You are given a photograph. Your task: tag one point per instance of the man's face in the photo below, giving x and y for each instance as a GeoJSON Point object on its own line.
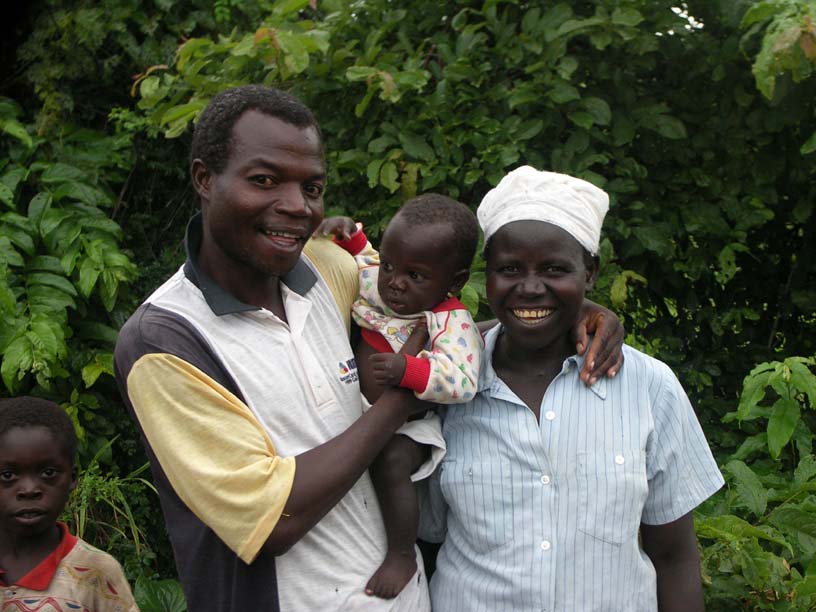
{"type": "Point", "coordinates": [536, 279]}
{"type": "Point", "coordinates": [36, 477]}
{"type": "Point", "coordinates": [262, 208]}
{"type": "Point", "coordinates": [416, 268]}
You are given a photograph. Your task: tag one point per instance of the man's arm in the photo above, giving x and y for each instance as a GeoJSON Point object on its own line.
{"type": "Point", "coordinates": [215, 454]}
{"type": "Point", "coordinates": [673, 550]}
{"type": "Point", "coordinates": [605, 356]}
{"type": "Point", "coordinates": [325, 473]}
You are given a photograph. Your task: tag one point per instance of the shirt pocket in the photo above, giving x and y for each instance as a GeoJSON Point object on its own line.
{"type": "Point", "coordinates": [480, 495]}
{"type": "Point", "coordinates": [612, 489]}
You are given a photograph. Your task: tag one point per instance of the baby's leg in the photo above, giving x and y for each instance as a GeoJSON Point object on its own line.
{"type": "Point", "coordinates": [391, 473]}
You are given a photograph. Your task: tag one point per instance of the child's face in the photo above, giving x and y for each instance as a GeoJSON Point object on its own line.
{"type": "Point", "coordinates": [536, 279]}
{"type": "Point", "coordinates": [36, 477]}
{"type": "Point", "coordinates": [417, 267]}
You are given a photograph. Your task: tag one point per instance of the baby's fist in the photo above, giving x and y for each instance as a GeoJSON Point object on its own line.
{"type": "Point", "coordinates": [341, 228]}
{"type": "Point", "coordinates": [387, 369]}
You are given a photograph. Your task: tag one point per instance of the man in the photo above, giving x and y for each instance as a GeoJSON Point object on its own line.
{"type": "Point", "coordinates": [239, 373]}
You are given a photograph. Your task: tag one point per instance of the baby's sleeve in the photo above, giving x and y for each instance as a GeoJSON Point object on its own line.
{"type": "Point", "coordinates": [359, 247]}
{"type": "Point", "coordinates": [451, 367]}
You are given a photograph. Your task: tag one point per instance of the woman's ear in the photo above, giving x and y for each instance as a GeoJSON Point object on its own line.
{"type": "Point", "coordinates": [592, 264]}
{"type": "Point", "coordinates": [459, 280]}
{"type": "Point", "coordinates": [201, 177]}
{"type": "Point", "coordinates": [74, 477]}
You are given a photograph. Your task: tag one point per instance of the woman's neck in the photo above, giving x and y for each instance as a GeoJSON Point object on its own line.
{"type": "Point", "coordinates": [529, 372]}
{"type": "Point", "coordinates": [530, 360]}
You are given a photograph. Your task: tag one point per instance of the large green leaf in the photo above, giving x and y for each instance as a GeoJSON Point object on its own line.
{"type": "Point", "coordinates": [748, 486]}
{"type": "Point", "coordinates": [7, 196]}
{"type": "Point", "coordinates": [48, 300]}
{"type": "Point", "coordinates": [793, 519]}
{"type": "Point", "coordinates": [37, 207]}
{"type": "Point", "coordinates": [416, 146]}
{"type": "Point", "coordinates": [17, 360]}
{"type": "Point", "coordinates": [753, 389]}
{"type": "Point", "coordinates": [784, 417]}
{"type": "Point", "coordinates": [51, 280]}
{"type": "Point", "coordinates": [803, 379]}
{"type": "Point", "coordinates": [730, 528]}
{"type": "Point", "coordinates": [60, 173]}
{"type": "Point", "coordinates": [159, 596]}
{"type": "Point", "coordinates": [102, 363]}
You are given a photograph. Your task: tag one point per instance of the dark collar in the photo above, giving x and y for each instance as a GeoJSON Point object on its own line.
{"type": "Point", "coordinates": [299, 279]}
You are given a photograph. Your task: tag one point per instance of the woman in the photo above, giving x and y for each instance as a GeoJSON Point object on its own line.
{"type": "Point", "coordinates": [547, 482]}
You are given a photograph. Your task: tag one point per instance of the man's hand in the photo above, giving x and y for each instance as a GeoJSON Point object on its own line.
{"type": "Point", "coordinates": [387, 369]}
{"type": "Point", "coordinates": [605, 357]}
{"type": "Point", "coordinates": [341, 228]}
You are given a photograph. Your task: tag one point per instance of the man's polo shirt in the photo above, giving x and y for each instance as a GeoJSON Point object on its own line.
{"type": "Point", "coordinates": [226, 395]}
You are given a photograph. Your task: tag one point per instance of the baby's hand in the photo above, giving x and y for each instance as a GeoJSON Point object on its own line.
{"type": "Point", "coordinates": [387, 369]}
{"type": "Point", "coordinates": [341, 228]}
{"type": "Point", "coordinates": [417, 340]}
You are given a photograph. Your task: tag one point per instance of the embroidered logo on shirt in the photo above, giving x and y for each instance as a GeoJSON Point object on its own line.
{"type": "Point", "coordinates": [348, 371]}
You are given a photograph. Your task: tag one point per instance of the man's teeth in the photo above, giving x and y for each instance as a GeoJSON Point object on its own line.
{"type": "Point", "coordinates": [532, 315]}
{"type": "Point", "coordinates": [281, 234]}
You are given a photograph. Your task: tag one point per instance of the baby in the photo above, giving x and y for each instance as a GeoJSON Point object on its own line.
{"type": "Point", "coordinates": [414, 334]}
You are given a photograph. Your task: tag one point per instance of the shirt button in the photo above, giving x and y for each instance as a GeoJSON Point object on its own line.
{"type": "Point", "coordinates": [549, 415]}
{"type": "Point", "coordinates": [545, 545]}
{"type": "Point", "coordinates": [619, 459]}
{"type": "Point", "coordinates": [545, 480]}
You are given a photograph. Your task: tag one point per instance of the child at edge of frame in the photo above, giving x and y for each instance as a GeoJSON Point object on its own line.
{"type": "Point", "coordinates": [42, 565]}
{"type": "Point", "coordinates": [417, 335]}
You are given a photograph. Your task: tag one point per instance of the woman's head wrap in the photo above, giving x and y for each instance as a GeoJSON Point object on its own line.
{"type": "Point", "coordinates": [527, 194]}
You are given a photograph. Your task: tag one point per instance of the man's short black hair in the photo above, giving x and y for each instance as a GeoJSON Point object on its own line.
{"type": "Point", "coordinates": [434, 209]}
{"type": "Point", "coordinates": [36, 412]}
{"type": "Point", "coordinates": [212, 138]}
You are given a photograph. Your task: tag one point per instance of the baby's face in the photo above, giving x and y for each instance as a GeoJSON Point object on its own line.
{"type": "Point", "coordinates": [36, 477]}
{"type": "Point", "coordinates": [417, 266]}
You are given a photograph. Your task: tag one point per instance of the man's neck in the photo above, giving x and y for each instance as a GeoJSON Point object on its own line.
{"type": "Point", "coordinates": [244, 284]}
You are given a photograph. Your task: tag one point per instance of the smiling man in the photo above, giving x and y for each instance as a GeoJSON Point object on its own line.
{"type": "Point", "coordinates": [239, 373]}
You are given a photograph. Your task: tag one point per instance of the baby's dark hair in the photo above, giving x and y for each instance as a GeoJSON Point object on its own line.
{"type": "Point", "coordinates": [212, 138]}
{"type": "Point", "coordinates": [433, 209]}
{"type": "Point", "coordinates": [36, 412]}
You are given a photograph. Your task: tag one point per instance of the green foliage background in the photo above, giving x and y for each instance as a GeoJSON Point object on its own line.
{"type": "Point", "coordinates": [697, 118]}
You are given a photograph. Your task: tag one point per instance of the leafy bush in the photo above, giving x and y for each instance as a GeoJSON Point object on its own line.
{"type": "Point", "coordinates": [759, 534]}
{"type": "Point", "coordinates": [62, 271]}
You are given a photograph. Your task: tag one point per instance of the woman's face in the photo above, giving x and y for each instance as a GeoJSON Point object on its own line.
{"type": "Point", "coordinates": [537, 275]}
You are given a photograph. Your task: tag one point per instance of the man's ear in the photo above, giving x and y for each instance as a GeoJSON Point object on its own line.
{"type": "Point", "coordinates": [201, 177]}
{"type": "Point", "coordinates": [459, 280]}
{"type": "Point", "coordinates": [592, 267]}
{"type": "Point", "coordinates": [74, 476]}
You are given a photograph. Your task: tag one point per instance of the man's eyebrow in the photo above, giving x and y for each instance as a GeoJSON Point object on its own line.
{"type": "Point", "coordinates": [266, 163]}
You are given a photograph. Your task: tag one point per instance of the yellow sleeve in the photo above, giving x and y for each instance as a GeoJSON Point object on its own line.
{"type": "Point", "coordinates": [338, 269]}
{"type": "Point", "coordinates": [215, 453]}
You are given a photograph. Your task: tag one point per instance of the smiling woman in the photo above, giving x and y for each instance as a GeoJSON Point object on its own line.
{"type": "Point", "coordinates": [580, 468]}
{"type": "Point", "coordinates": [537, 275]}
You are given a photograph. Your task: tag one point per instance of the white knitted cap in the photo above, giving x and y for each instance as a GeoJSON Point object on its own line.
{"type": "Point", "coordinates": [527, 194]}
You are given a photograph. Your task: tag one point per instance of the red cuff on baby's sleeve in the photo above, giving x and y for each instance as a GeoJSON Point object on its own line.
{"type": "Point", "coordinates": [355, 243]}
{"type": "Point", "coordinates": [417, 373]}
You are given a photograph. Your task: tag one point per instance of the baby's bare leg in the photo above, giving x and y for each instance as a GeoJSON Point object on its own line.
{"type": "Point", "coordinates": [391, 473]}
